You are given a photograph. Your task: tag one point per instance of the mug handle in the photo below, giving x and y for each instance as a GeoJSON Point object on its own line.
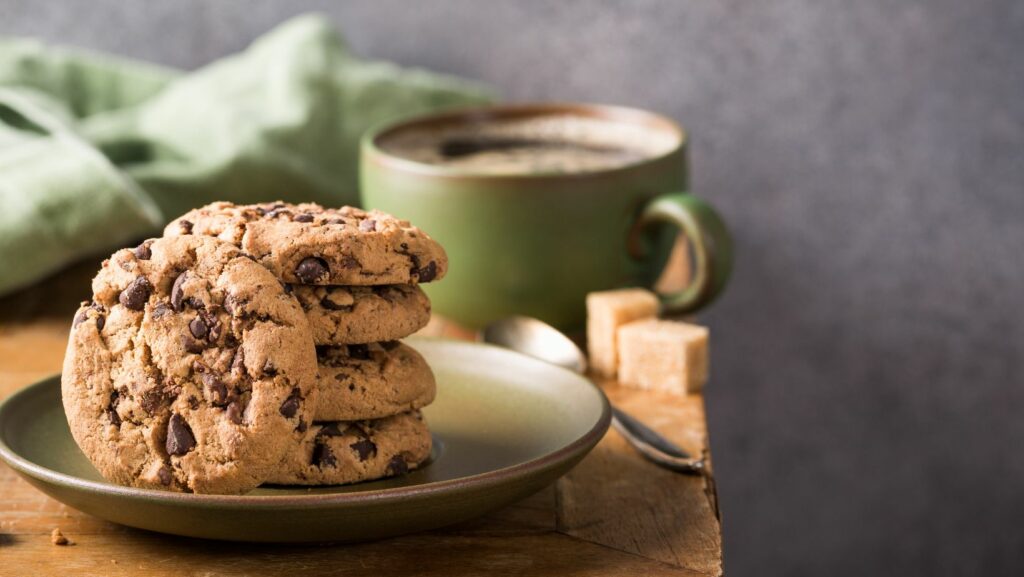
{"type": "Point", "coordinates": [709, 239]}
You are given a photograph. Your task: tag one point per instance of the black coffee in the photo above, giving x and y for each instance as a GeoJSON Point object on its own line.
{"type": "Point", "coordinates": [545, 144]}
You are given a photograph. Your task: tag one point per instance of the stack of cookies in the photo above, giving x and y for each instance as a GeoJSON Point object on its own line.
{"type": "Point", "coordinates": [355, 274]}
{"type": "Point", "coordinates": [256, 344]}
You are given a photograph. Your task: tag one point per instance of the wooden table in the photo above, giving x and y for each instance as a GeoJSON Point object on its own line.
{"type": "Point", "coordinates": [614, 514]}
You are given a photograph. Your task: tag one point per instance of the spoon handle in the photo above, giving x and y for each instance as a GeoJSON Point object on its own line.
{"type": "Point", "coordinates": [653, 446]}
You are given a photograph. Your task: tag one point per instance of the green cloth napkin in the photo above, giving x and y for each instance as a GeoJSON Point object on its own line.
{"type": "Point", "coordinates": [97, 151]}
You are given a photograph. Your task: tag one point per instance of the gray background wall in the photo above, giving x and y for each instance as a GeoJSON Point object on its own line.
{"type": "Point", "coordinates": [866, 404]}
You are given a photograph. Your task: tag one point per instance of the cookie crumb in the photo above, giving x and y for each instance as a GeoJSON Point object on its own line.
{"type": "Point", "coordinates": [58, 538]}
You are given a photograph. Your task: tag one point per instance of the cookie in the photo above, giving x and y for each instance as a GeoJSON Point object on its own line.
{"type": "Point", "coordinates": [191, 370]}
{"type": "Point", "coordinates": [371, 381]}
{"type": "Point", "coordinates": [310, 244]}
{"type": "Point", "coordinates": [357, 315]}
{"type": "Point", "coordinates": [343, 452]}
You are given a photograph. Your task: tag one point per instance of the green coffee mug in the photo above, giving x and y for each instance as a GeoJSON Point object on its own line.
{"type": "Point", "coordinates": [535, 243]}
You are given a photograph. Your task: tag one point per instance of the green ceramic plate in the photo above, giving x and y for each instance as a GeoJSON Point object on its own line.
{"type": "Point", "coordinates": [504, 425]}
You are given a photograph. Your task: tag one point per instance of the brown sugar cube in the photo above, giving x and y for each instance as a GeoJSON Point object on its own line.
{"type": "Point", "coordinates": [663, 355]}
{"type": "Point", "coordinates": [606, 312]}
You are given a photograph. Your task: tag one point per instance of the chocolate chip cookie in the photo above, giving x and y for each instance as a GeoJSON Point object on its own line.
{"type": "Point", "coordinates": [192, 369]}
{"type": "Point", "coordinates": [310, 244]}
{"type": "Point", "coordinates": [358, 315]}
{"type": "Point", "coordinates": [348, 452]}
{"type": "Point", "coordinates": [371, 381]}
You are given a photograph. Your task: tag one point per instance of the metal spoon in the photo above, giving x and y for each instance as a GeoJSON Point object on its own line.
{"type": "Point", "coordinates": [542, 341]}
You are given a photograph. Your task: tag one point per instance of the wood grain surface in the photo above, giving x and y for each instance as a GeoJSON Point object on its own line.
{"type": "Point", "coordinates": [615, 514]}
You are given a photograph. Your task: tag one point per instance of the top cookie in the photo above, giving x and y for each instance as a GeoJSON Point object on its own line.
{"type": "Point", "coordinates": [191, 370]}
{"type": "Point", "coordinates": [310, 244]}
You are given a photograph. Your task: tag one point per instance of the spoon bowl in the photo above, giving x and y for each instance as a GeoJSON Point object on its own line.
{"type": "Point", "coordinates": [542, 341]}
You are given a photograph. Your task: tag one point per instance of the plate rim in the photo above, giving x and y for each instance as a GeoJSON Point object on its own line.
{"type": "Point", "coordinates": [486, 479]}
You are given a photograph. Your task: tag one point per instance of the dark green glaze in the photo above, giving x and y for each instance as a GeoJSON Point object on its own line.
{"type": "Point", "coordinates": [536, 244]}
{"type": "Point", "coordinates": [505, 426]}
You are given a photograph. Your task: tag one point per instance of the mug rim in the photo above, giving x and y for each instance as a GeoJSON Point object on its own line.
{"type": "Point", "coordinates": [372, 152]}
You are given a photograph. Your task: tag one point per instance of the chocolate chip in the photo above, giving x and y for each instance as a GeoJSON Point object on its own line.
{"type": "Point", "coordinates": [235, 412]}
{"type": "Point", "coordinates": [304, 217]}
{"type": "Point", "coordinates": [238, 362]}
{"type": "Point", "coordinates": [330, 305]}
{"type": "Point", "coordinates": [278, 212]}
{"type": "Point", "coordinates": [198, 328]}
{"type": "Point", "coordinates": [143, 252]}
{"type": "Point", "coordinates": [216, 389]}
{"type": "Point", "coordinates": [356, 431]}
{"type": "Point", "coordinates": [178, 292]}
{"type": "Point", "coordinates": [193, 403]}
{"type": "Point", "coordinates": [191, 345]}
{"type": "Point", "coordinates": [335, 221]}
{"type": "Point", "coordinates": [365, 448]}
{"type": "Point", "coordinates": [180, 439]}
{"type": "Point", "coordinates": [290, 406]}
{"type": "Point", "coordinates": [160, 310]}
{"type": "Point", "coordinates": [216, 329]}
{"type": "Point", "coordinates": [368, 225]}
{"type": "Point", "coordinates": [427, 273]}
{"type": "Point", "coordinates": [269, 370]}
{"type": "Point", "coordinates": [387, 293]}
{"type": "Point", "coordinates": [329, 430]}
{"type": "Point", "coordinates": [312, 270]}
{"type": "Point", "coordinates": [152, 400]}
{"type": "Point", "coordinates": [286, 287]}
{"type": "Point", "coordinates": [323, 456]}
{"type": "Point", "coordinates": [349, 261]}
{"type": "Point", "coordinates": [115, 419]}
{"type": "Point", "coordinates": [233, 304]}
{"type": "Point", "coordinates": [135, 296]}
{"type": "Point", "coordinates": [302, 426]}
{"type": "Point", "coordinates": [165, 475]}
{"type": "Point", "coordinates": [185, 226]}
{"type": "Point", "coordinates": [83, 314]}
{"type": "Point", "coordinates": [397, 466]}
{"type": "Point", "coordinates": [359, 352]}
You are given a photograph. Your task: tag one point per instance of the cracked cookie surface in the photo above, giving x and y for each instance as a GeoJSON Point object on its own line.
{"type": "Point", "coordinates": [343, 452]}
{"type": "Point", "coordinates": [371, 381]}
{"type": "Point", "coordinates": [346, 315]}
{"type": "Point", "coordinates": [312, 245]}
{"type": "Point", "coordinates": [191, 370]}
